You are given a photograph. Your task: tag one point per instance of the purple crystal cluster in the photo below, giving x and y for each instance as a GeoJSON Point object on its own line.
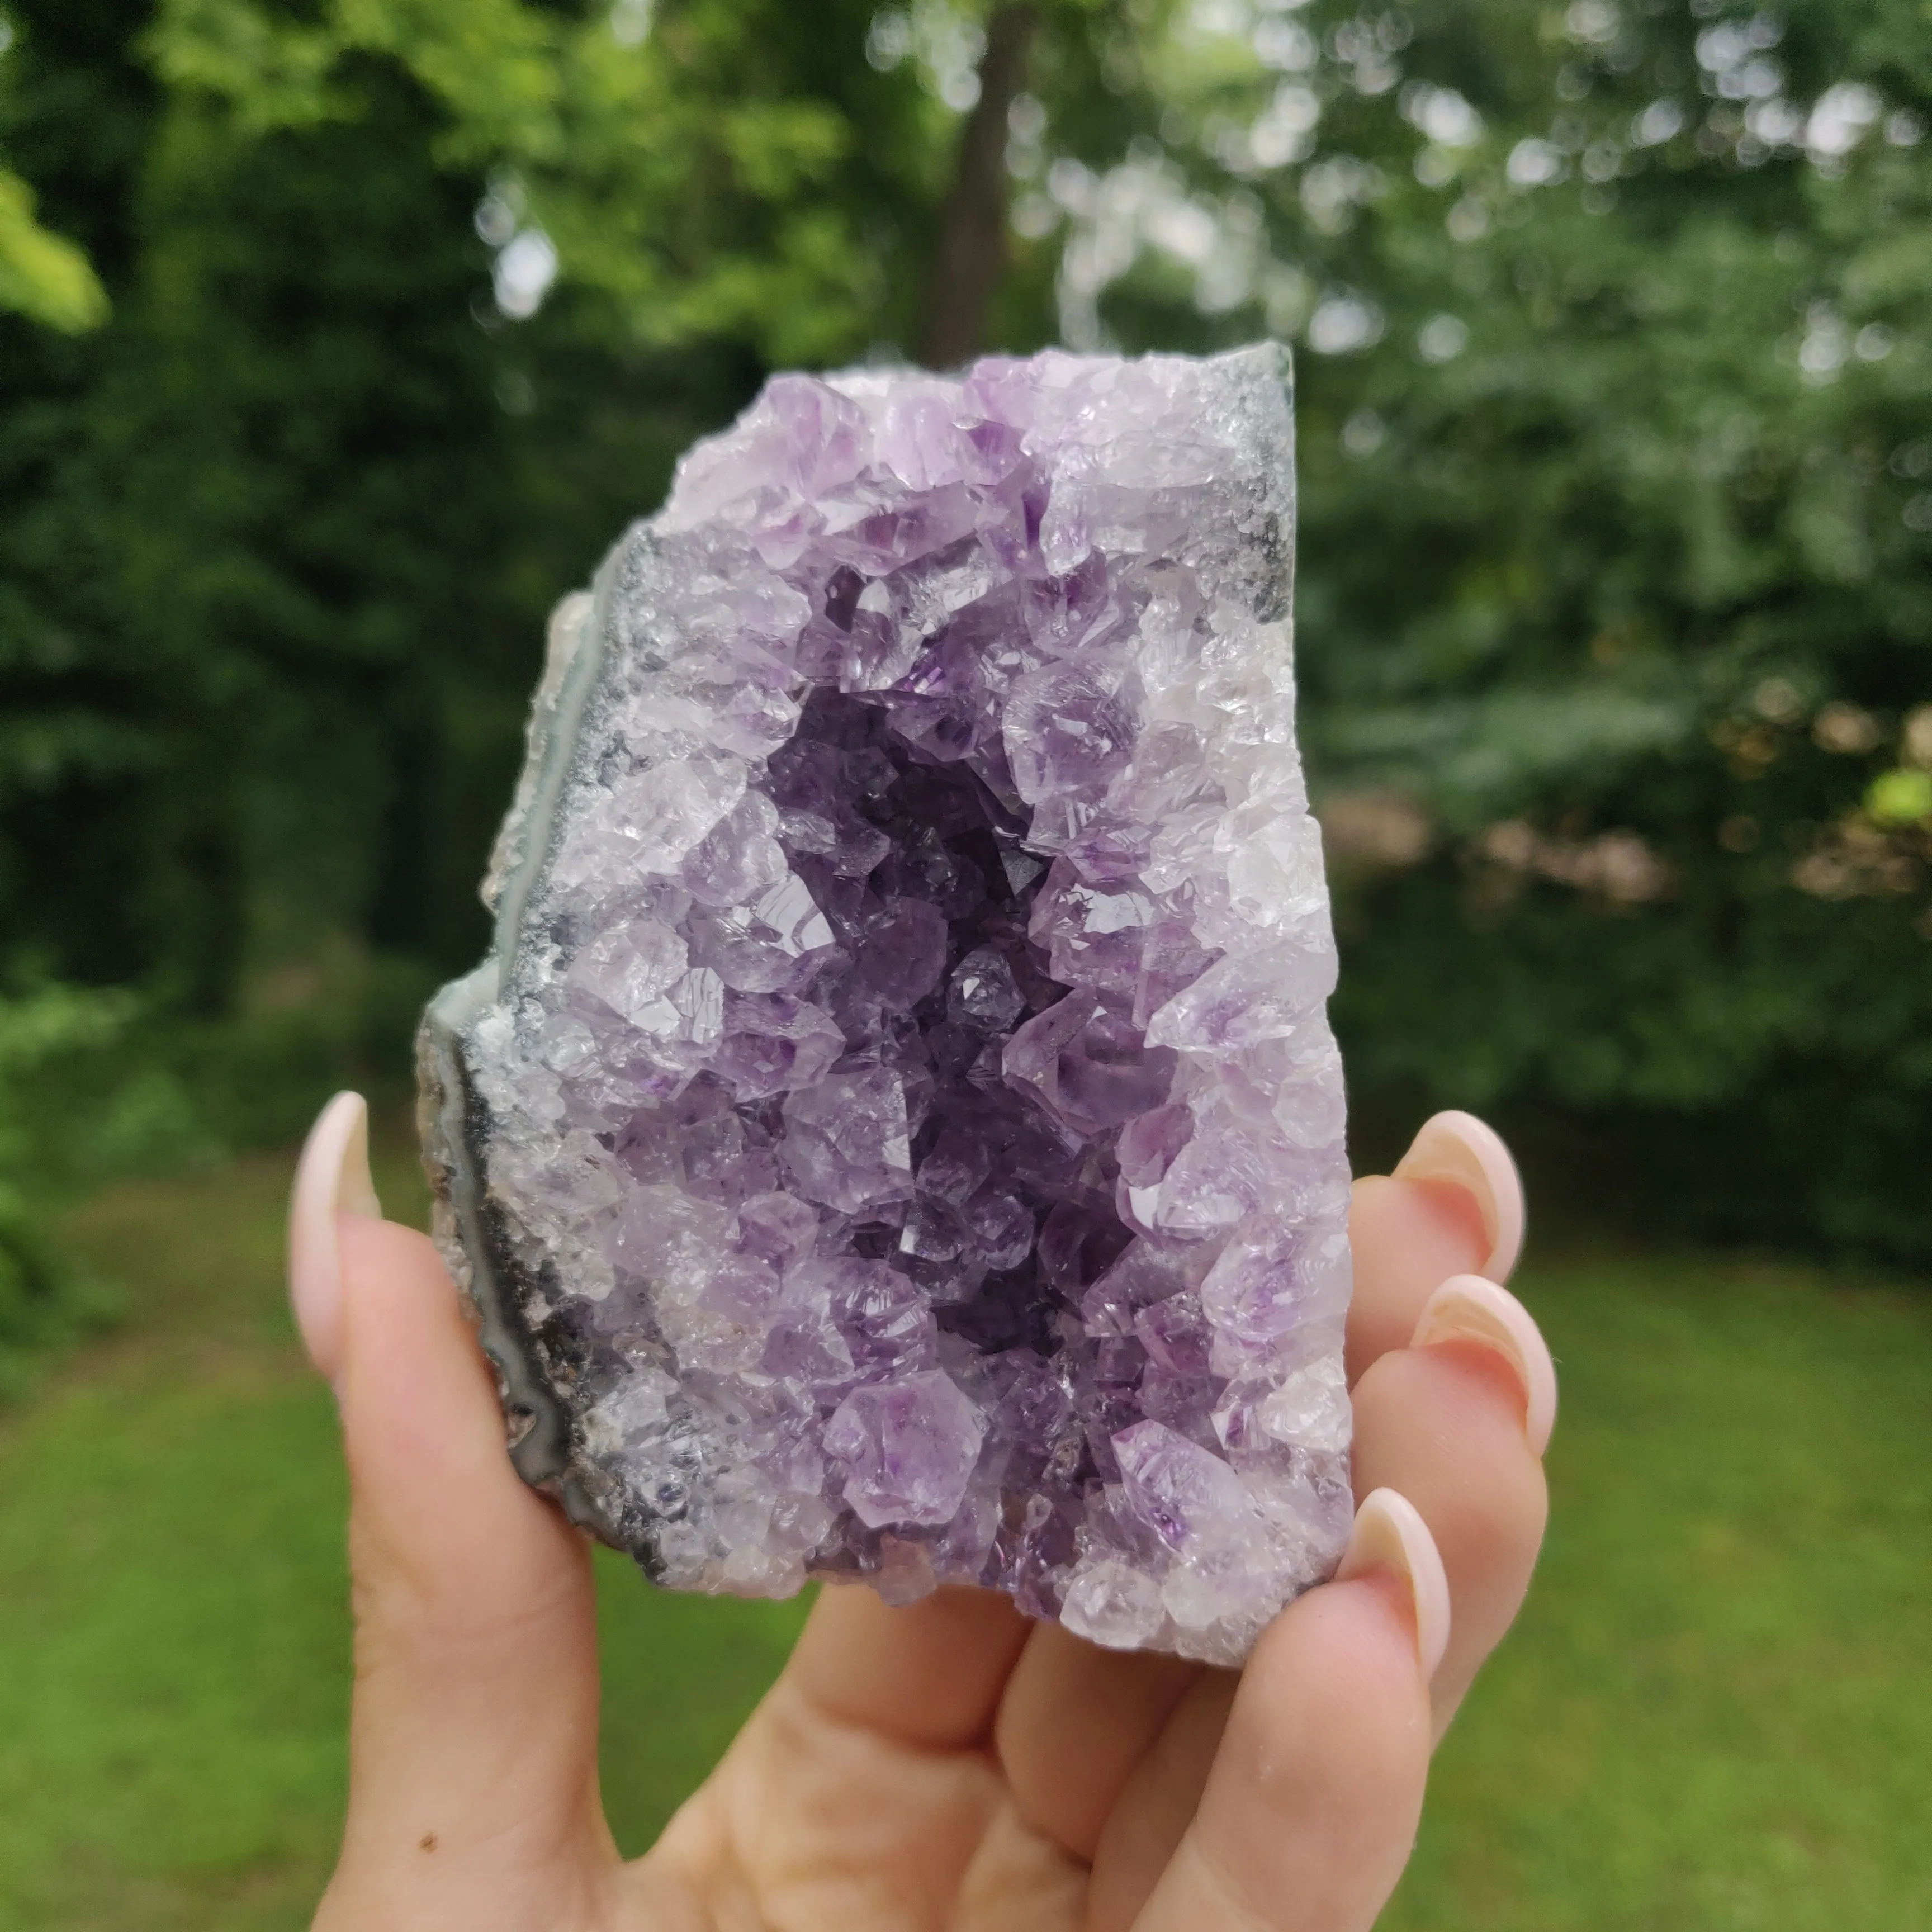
{"type": "Point", "coordinates": [897, 1134]}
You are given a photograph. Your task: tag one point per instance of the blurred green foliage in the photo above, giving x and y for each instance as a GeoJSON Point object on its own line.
{"type": "Point", "coordinates": [41, 274]}
{"type": "Point", "coordinates": [57, 1070]}
{"type": "Point", "coordinates": [1617, 488]}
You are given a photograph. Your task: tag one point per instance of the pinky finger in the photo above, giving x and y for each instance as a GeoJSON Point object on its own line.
{"type": "Point", "coordinates": [1310, 1809]}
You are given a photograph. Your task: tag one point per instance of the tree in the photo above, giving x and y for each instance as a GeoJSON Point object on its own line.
{"type": "Point", "coordinates": [1616, 445]}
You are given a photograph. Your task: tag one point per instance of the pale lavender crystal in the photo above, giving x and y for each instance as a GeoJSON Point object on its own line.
{"type": "Point", "coordinates": [897, 1135]}
{"type": "Point", "coordinates": [909, 1446]}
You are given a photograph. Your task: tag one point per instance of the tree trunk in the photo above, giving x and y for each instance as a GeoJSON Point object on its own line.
{"type": "Point", "coordinates": [972, 251]}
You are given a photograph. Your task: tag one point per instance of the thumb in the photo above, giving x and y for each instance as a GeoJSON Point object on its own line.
{"type": "Point", "coordinates": [473, 1795]}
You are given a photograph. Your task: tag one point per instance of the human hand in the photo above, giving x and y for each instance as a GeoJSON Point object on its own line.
{"type": "Point", "coordinates": [947, 1764]}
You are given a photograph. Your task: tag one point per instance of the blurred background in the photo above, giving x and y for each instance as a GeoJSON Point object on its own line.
{"type": "Point", "coordinates": [338, 338]}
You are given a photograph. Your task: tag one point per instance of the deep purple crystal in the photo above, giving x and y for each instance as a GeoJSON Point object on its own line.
{"type": "Point", "coordinates": [897, 1135]}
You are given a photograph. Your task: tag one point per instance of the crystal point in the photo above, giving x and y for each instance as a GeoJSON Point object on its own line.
{"type": "Point", "coordinates": [896, 1134]}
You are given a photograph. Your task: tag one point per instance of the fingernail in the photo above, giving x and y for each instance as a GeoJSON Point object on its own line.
{"type": "Point", "coordinates": [331, 1178]}
{"type": "Point", "coordinates": [1460, 1149]}
{"type": "Point", "coordinates": [1389, 1534]}
{"type": "Point", "coordinates": [1467, 1308]}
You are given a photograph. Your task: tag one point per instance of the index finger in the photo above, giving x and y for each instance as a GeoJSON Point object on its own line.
{"type": "Point", "coordinates": [1453, 1206]}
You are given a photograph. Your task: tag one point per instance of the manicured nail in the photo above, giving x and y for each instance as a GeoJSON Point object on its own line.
{"type": "Point", "coordinates": [1467, 1308]}
{"type": "Point", "coordinates": [1460, 1149]}
{"type": "Point", "coordinates": [331, 1178]}
{"type": "Point", "coordinates": [1389, 1534]}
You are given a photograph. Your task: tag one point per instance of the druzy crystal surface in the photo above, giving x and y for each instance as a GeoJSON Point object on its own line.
{"type": "Point", "coordinates": [897, 1134]}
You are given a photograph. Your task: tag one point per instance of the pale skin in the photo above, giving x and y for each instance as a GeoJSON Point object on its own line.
{"type": "Point", "coordinates": [946, 1764]}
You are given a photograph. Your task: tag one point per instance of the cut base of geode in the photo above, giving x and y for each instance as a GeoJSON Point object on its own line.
{"type": "Point", "coordinates": [897, 1135]}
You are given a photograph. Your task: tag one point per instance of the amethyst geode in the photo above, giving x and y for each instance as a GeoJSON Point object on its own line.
{"type": "Point", "coordinates": [897, 1134]}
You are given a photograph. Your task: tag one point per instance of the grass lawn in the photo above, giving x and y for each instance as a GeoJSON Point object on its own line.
{"type": "Point", "coordinates": [1716, 1711]}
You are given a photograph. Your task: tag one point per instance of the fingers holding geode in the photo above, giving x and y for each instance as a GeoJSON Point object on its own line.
{"type": "Point", "coordinates": [1453, 1206]}
{"type": "Point", "coordinates": [1456, 1149]}
{"type": "Point", "coordinates": [929, 1673]}
{"type": "Point", "coordinates": [1075, 1726]}
{"type": "Point", "coordinates": [1150, 1818]}
{"type": "Point", "coordinates": [1450, 1425]}
{"type": "Point", "coordinates": [1309, 1808]}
